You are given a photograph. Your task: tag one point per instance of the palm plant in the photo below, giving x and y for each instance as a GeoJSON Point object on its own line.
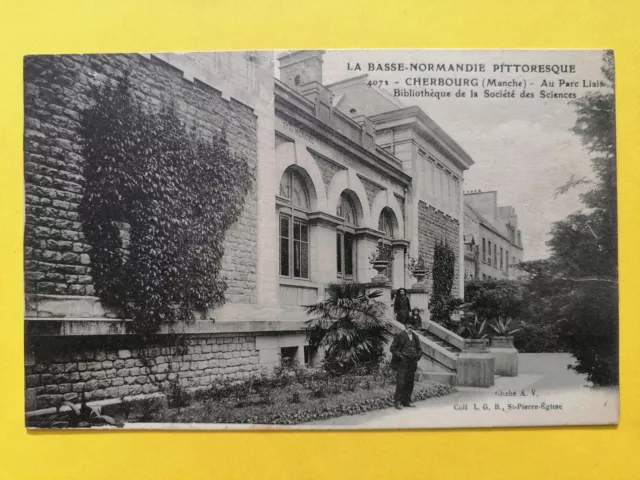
{"type": "Point", "coordinates": [350, 325]}
{"type": "Point", "coordinates": [503, 328]}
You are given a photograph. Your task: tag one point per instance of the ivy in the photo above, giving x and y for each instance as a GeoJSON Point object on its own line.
{"type": "Point", "coordinates": [442, 305]}
{"type": "Point", "coordinates": [444, 260]}
{"type": "Point", "coordinates": [176, 192]}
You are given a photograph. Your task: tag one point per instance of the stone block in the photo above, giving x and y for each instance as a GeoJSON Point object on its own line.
{"type": "Point", "coordinates": [65, 388]}
{"type": "Point", "coordinates": [124, 354]}
{"type": "Point", "coordinates": [51, 389]}
{"type": "Point", "coordinates": [506, 361]}
{"type": "Point", "coordinates": [475, 369]}
{"type": "Point", "coordinates": [33, 381]}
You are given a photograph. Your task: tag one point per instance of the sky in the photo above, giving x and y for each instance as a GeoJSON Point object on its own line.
{"type": "Point", "coordinates": [521, 147]}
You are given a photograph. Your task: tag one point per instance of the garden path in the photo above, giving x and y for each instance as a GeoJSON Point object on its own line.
{"type": "Point", "coordinates": [541, 376]}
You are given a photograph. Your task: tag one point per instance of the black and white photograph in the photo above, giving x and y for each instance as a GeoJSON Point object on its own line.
{"type": "Point", "coordinates": [320, 240]}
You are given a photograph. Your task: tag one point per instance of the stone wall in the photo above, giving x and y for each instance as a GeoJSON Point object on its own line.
{"type": "Point", "coordinates": [434, 225]}
{"type": "Point", "coordinates": [56, 88]}
{"type": "Point", "coordinates": [116, 366]}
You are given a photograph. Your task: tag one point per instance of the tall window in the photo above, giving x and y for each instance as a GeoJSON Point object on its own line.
{"type": "Point", "coordinates": [506, 261]}
{"type": "Point", "coordinates": [489, 256]}
{"type": "Point", "coordinates": [294, 230]}
{"type": "Point", "coordinates": [345, 238]}
{"type": "Point", "coordinates": [484, 250]}
{"type": "Point", "coordinates": [495, 255]}
{"type": "Point", "coordinates": [501, 260]}
{"type": "Point", "coordinates": [385, 224]}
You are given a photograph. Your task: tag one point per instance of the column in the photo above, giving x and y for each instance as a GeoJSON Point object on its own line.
{"type": "Point", "coordinates": [322, 250]}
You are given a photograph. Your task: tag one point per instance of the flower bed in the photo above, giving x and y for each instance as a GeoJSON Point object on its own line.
{"type": "Point", "coordinates": [291, 397]}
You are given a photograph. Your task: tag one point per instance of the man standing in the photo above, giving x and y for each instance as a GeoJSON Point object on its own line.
{"type": "Point", "coordinates": [406, 352]}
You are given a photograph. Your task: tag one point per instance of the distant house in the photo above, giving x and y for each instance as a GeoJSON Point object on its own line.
{"type": "Point", "coordinates": [492, 237]}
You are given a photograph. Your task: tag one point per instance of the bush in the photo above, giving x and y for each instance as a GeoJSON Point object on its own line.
{"type": "Point", "coordinates": [177, 395]}
{"type": "Point", "coordinates": [441, 310]}
{"type": "Point", "coordinates": [350, 325]}
{"type": "Point", "coordinates": [590, 331]}
{"type": "Point", "coordinates": [537, 338]}
{"type": "Point", "coordinates": [492, 299]}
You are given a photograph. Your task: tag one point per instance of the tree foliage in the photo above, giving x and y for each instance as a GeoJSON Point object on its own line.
{"type": "Point", "coordinates": [444, 260]}
{"type": "Point", "coordinates": [574, 293]}
{"type": "Point", "coordinates": [176, 193]}
{"type": "Point", "coordinates": [492, 299]}
{"type": "Point", "coordinates": [350, 325]}
{"type": "Point", "coordinates": [585, 243]}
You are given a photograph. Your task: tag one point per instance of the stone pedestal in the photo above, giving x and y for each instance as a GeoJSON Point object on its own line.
{"type": "Point", "coordinates": [381, 268]}
{"type": "Point", "coordinates": [475, 365]}
{"type": "Point", "coordinates": [506, 356]}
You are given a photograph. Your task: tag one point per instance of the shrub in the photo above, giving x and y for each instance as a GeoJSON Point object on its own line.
{"type": "Point", "coordinates": [493, 299]}
{"type": "Point", "coordinates": [590, 331]}
{"type": "Point", "coordinates": [350, 325]}
{"type": "Point", "coordinates": [537, 338]}
{"type": "Point", "coordinates": [503, 327]}
{"type": "Point", "coordinates": [177, 395]}
{"type": "Point", "coordinates": [441, 310]}
{"type": "Point", "coordinates": [473, 328]}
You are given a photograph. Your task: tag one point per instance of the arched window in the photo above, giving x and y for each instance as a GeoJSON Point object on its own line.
{"type": "Point", "coordinates": [292, 188]}
{"type": "Point", "coordinates": [385, 223]}
{"type": "Point", "coordinates": [347, 210]}
{"type": "Point", "coordinates": [345, 238]}
{"type": "Point", "coordinates": [294, 230]}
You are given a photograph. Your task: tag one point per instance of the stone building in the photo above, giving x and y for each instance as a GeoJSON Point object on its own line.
{"type": "Point", "coordinates": [435, 162]}
{"type": "Point", "coordinates": [340, 168]}
{"type": "Point", "coordinates": [73, 343]}
{"type": "Point", "coordinates": [493, 242]}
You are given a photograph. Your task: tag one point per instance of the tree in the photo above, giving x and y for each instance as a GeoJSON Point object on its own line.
{"type": "Point", "coordinates": [350, 325]}
{"type": "Point", "coordinates": [582, 272]}
{"type": "Point", "coordinates": [593, 232]}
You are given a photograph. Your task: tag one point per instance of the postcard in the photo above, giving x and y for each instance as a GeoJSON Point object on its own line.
{"type": "Point", "coordinates": [320, 239]}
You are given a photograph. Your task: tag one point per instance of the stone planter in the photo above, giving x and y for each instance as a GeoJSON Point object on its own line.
{"type": "Point", "coordinates": [419, 275]}
{"type": "Point", "coordinates": [475, 365]}
{"type": "Point", "coordinates": [506, 356]}
{"type": "Point", "coordinates": [380, 266]}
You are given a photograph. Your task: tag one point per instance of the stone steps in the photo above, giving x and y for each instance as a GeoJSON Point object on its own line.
{"type": "Point", "coordinates": [438, 341]}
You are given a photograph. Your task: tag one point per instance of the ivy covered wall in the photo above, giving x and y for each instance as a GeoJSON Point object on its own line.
{"type": "Point", "coordinates": [57, 92]}
{"type": "Point", "coordinates": [434, 226]}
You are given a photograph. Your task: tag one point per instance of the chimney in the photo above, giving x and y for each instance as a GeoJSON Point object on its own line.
{"type": "Point", "coordinates": [300, 67]}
